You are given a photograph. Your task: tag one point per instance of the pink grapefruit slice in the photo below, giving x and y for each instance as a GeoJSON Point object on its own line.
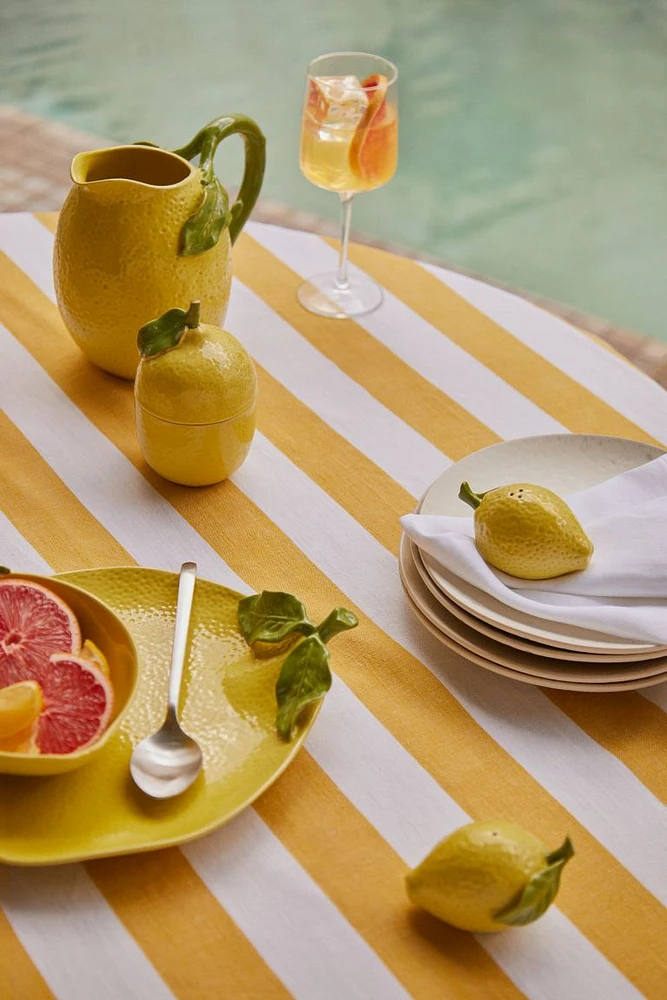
{"type": "Point", "coordinates": [77, 705]}
{"type": "Point", "coordinates": [34, 624]}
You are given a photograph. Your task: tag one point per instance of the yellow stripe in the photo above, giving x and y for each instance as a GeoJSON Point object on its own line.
{"type": "Point", "coordinates": [171, 913]}
{"type": "Point", "coordinates": [19, 979]}
{"type": "Point", "coordinates": [532, 375]}
{"type": "Point", "coordinates": [372, 365]}
{"type": "Point", "coordinates": [364, 878]}
{"type": "Point", "coordinates": [193, 943]}
{"type": "Point", "coordinates": [78, 540]}
{"type": "Point", "coordinates": [357, 484]}
{"type": "Point", "coordinates": [629, 726]}
{"type": "Point", "coordinates": [391, 678]}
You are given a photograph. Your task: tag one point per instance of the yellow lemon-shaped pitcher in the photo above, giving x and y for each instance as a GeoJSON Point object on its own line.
{"type": "Point", "coordinates": [143, 228]}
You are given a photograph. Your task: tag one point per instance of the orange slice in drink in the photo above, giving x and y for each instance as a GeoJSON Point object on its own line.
{"type": "Point", "coordinates": [372, 145]}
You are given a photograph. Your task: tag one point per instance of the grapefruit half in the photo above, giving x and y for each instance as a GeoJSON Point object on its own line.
{"type": "Point", "coordinates": [34, 624]}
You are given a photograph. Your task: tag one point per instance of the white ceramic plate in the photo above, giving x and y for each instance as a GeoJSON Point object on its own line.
{"type": "Point", "coordinates": [534, 669]}
{"type": "Point", "coordinates": [564, 463]}
{"type": "Point", "coordinates": [496, 668]}
{"type": "Point", "coordinates": [507, 639]}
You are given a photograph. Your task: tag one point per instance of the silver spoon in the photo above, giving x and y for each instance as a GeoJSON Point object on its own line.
{"type": "Point", "coordinates": [167, 762]}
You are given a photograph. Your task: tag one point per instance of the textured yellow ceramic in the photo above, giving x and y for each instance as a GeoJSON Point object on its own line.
{"type": "Point", "coordinates": [528, 531]}
{"type": "Point", "coordinates": [228, 706]}
{"type": "Point", "coordinates": [98, 623]}
{"type": "Point", "coordinates": [116, 257]}
{"type": "Point", "coordinates": [195, 407]}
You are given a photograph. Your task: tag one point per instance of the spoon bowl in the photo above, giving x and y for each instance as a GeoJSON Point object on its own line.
{"type": "Point", "coordinates": [167, 762]}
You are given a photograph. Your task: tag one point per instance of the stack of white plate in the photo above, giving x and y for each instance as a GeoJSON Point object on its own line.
{"type": "Point", "coordinates": [495, 636]}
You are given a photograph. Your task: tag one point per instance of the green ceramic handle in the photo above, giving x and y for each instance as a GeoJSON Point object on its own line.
{"type": "Point", "coordinates": [202, 230]}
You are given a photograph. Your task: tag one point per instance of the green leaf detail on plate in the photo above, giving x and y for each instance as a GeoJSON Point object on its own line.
{"type": "Point", "coordinates": [340, 620]}
{"type": "Point", "coordinates": [271, 616]}
{"type": "Point", "coordinates": [202, 230]}
{"type": "Point", "coordinates": [4, 570]}
{"type": "Point", "coordinates": [540, 891]}
{"type": "Point", "coordinates": [305, 677]}
{"type": "Point", "coordinates": [165, 333]}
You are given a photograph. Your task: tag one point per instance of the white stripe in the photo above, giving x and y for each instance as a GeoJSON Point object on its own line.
{"type": "Point", "coordinates": [332, 395]}
{"type": "Point", "coordinates": [15, 552]}
{"type": "Point", "coordinates": [123, 514]}
{"type": "Point", "coordinates": [20, 240]}
{"type": "Point", "coordinates": [554, 751]}
{"type": "Point", "coordinates": [420, 345]}
{"type": "Point", "coordinates": [412, 812]}
{"type": "Point", "coordinates": [611, 378]}
{"type": "Point", "coordinates": [74, 938]}
{"type": "Point", "coordinates": [290, 921]}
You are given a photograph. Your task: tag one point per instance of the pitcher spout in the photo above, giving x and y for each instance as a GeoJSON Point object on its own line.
{"type": "Point", "coordinates": [143, 166]}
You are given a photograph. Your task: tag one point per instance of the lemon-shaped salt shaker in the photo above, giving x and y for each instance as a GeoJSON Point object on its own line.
{"type": "Point", "coordinates": [195, 395]}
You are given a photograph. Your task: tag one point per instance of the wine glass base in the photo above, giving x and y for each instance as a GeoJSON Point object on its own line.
{"type": "Point", "coordinates": [324, 296]}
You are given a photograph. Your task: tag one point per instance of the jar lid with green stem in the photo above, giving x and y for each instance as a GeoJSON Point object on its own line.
{"type": "Point", "coordinates": [191, 372]}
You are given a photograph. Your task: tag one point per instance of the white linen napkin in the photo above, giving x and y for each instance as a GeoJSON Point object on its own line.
{"type": "Point", "coordinates": [623, 592]}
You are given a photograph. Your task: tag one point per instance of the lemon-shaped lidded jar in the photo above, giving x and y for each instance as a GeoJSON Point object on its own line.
{"type": "Point", "coordinates": [195, 395]}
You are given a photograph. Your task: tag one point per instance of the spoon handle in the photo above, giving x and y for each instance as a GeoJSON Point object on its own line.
{"type": "Point", "coordinates": [186, 589]}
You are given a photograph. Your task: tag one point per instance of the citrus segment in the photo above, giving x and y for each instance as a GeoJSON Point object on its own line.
{"type": "Point", "coordinates": [89, 651]}
{"type": "Point", "coordinates": [373, 146]}
{"type": "Point", "coordinates": [20, 704]}
{"type": "Point", "coordinates": [78, 700]}
{"type": "Point", "coordinates": [34, 623]}
{"type": "Point", "coordinates": [21, 742]}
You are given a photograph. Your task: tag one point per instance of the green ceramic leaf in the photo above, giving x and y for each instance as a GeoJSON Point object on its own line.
{"type": "Point", "coordinates": [271, 616]}
{"type": "Point", "coordinates": [165, 332]}
{"type": "Point", "coordinates": [305, 677]}
{"type": "Point", "coordinates": [3, 570]}
{"type": "Point", "coordinates": [562, 853]}
{"type": "Point", "coordinates": [340, 620]}
{"type": "Point", "coordinates": [202, 230]}
{"type": "Point", "coordinates": [540, 891]}
{"type": "Point", "coordinates": [162, 334]}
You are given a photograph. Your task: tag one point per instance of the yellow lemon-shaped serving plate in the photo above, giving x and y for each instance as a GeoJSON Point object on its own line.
{"type": "Point", "coordinates": [228, 706]}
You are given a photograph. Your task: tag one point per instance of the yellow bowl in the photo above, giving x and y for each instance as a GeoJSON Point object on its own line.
{"type": "Point", "coordinates": [98, 623]}
{"type": "Point", "coordinates": [195, 454]}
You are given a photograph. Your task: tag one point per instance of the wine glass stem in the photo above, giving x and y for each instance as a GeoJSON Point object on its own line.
{"type": "Point", "coordinates": [345, 217]}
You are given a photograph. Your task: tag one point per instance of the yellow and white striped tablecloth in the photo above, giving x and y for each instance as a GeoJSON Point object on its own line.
{"type": "Point", "coordinates": [302, 895]}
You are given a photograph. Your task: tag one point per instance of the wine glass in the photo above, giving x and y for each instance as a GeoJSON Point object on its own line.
{"type": "Point", "coordinates": [349, 144]}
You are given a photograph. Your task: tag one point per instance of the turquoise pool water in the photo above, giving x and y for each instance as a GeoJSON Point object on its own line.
{"type": "Point", "coordinates": [533, 139]}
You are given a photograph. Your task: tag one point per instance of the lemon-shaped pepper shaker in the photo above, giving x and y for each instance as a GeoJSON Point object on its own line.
{"type": "Point", "coordinates": [195, 395]}
{"type": "Point", "coordinates": [528, 531]}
